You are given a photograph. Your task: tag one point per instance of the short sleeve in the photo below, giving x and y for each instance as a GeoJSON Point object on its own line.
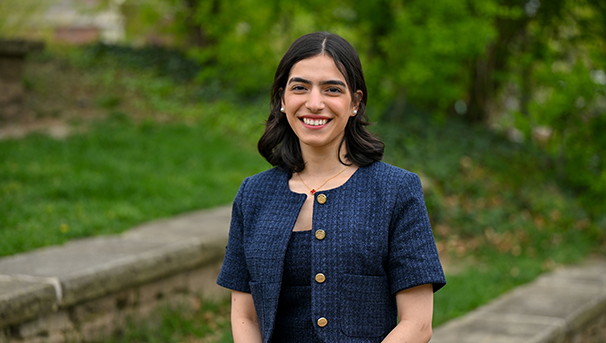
{"type": "Point", "coordinates": [234, 273]}
{"type": "Point", "coordinates": [413, 257]}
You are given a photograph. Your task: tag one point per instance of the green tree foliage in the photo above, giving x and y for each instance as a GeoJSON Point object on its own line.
{"type": "Point", "coordinates": [247, 38]}
{"type": "Point", "coordinates": [530, 65]}
{"type": "Point", "coordinates": [561, 81]}
{"type": "Point", "coordinates": [18, 17]}
{"type": "Point", "coordinates": [431, 46]}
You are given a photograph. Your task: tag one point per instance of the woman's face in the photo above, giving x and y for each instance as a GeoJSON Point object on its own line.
{"type": "Point", "coordinates": [317, 102]}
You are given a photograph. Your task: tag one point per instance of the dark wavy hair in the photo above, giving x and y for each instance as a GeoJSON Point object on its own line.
{"type": "Point", "coordinates": [279, 145]}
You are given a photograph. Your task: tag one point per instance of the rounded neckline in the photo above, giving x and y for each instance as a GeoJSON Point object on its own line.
{"type": "Point", "coordinates": [325, 190]}
{"type": "Point", "coordinates": [302, 231]}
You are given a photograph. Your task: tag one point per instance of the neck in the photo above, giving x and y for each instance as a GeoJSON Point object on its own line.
{"type": "Point", "coordinates": [323, 170]}
{"type": "Point", "coordinates": [321, 161]}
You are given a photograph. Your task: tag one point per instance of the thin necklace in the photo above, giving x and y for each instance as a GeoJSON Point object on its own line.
{"type": "Point", "coordinates": [314, 190]}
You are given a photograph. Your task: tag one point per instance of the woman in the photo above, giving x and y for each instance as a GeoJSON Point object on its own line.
{"type": "Point", "coordinates": [330, 245]}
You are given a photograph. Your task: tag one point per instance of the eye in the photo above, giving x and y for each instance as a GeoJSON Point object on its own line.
{"type": "Point", "coordinates": [334, 90]}
{"type": "Point", "coordinates": [298, 88]}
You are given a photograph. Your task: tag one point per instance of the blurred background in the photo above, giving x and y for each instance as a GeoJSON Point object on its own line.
{"type": "Point", "coordinates": [115, 112]}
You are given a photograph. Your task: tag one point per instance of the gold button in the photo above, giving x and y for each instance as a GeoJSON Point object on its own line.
{"type": "Point", "coordinates": [321, 199]}
{"type": "Point", "coordinates": [320, 278]}
{"type": "Point", "coordinates": [320, 234]}
{"type": "Point", "coordinates": [322, 322]}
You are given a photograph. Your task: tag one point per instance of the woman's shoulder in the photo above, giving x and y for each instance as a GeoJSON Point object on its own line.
{"type": "Point", "coordinates": [391, 181]}
{"type": "Point", "coordinates": [266, 179]}
{"type": "Point", "coordinates": [382, 171]}
{"type": "Point", "coordinates": [271, 175]}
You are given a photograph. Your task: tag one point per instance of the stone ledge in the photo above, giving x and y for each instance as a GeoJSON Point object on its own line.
{"type": "Point", "coordinates": [557, 307]}
{"type": "Point", "coordinates": [39, 282]}
{"type": "Point", "coordinates": [21, 300]}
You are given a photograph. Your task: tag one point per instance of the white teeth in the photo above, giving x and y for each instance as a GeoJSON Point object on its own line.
{"type": "Point", "coordinates": [316, 122]}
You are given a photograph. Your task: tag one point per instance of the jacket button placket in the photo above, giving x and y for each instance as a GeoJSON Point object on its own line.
{"type": "Point", "coordinates": [322, 322]}
{"type": "Point", "coordinates": [320, 278]}
{"type": "Point", "coordinates": [320, 234]}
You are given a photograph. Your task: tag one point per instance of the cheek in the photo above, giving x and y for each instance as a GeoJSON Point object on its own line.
{"type": "Point", "coordinates": [291, 103]}
{"type": "Point", "coordinates": [344, 107]}
{"type": "Point", "coordinates": [291, 120]}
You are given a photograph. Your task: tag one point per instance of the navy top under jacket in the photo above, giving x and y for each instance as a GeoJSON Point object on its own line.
{"type": "Point", "coordinates": [378, 241]}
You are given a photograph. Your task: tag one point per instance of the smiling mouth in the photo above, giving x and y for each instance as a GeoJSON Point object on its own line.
{"type": "Point", "coordinates": [315, 122]}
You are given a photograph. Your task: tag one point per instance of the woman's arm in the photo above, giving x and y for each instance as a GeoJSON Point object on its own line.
{"type": "Point", "coordinates": [244, 321]}
{"type": "Point", "coordinates": [415, 310]}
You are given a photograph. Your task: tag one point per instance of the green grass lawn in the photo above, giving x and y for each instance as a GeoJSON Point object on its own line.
{"type": "Point", "coordinates": [116, 175]}
{"type": "Point", "coordinates": [145, 146]}
{"type": "Point", "coordinates": [137, 152]}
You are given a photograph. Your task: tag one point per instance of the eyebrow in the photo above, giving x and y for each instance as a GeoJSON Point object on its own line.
{"type": "Point", "coordinates": [327, 82]}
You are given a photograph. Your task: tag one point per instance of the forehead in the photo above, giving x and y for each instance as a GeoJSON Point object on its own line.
{"type": "Point", "coordinates": [320, 66]}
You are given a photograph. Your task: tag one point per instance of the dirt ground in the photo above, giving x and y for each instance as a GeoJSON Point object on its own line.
{"type": "Point", "coordinates": [59, 100]}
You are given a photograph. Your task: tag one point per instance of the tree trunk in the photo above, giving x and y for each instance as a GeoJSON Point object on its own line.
{"type": "Point", "coordinates": [485, 86]}
{"type": "Point", "coordinates": [197, 36]}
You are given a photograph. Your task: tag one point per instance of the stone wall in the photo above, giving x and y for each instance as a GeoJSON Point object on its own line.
{"type": "Point", "coordinates": [593, 331]}
{"type": "Point", "coordinates": [77, 35]}
{"type": "Point", "coordinates": [88, 289]}
{"type": "Point", "coordinates": [94, 319]}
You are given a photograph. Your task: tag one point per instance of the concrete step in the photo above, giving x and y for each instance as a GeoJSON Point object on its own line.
{"type": "Point", "coordinates": [567, 305]}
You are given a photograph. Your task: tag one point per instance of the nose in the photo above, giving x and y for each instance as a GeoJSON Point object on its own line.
{"type": "Point", "coordinates": [315, 102]}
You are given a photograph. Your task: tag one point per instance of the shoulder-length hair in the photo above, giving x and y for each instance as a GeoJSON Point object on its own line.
{"type": "Point", "coordinates": [279, 145]}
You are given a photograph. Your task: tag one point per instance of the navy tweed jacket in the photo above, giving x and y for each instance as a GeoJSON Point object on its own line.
{"type": "Point", "coordinates": [378, 241]}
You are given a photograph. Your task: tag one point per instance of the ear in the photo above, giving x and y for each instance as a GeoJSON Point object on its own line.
{"type": "Point", "coordinates": [356, 100]}
{"type": "Point", "coordinates": [281, 97]}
